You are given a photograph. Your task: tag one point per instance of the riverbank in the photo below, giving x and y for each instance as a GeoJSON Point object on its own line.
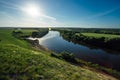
{"type": "Point", "coordinates": [90, 65]}
{"type": "Point", "coordinates": [26, 33]}
{"type": "Point", "coordinates": [36, 45]}
{"type": "Point", "coordinates": [69, 57]}
{"type": "Point", "coordinates": [18, 60]}
{"type": "Point", "coordinates": [104, 41]}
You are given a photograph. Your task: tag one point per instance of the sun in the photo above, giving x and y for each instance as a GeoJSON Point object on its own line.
{"type": "Point", "coordinates": [33, 10]}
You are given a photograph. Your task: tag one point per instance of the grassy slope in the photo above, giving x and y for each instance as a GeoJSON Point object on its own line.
{"type": "Point", "coordinates": [7, 38]}
{"type": "Point", "coordinates": [101, 35]}
{"type": "Point", "coordinates": [27, 31]}
{"type": "Point", "coordinates": [19, 62]}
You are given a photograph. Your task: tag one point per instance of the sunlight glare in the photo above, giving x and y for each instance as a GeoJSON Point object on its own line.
{"type": "Point", "coordinates": [33, 10]}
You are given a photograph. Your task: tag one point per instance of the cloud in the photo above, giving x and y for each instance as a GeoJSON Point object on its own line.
{"type": "Point", "coordinates": [15, 21]}
{"type": "Point", "coordinates": [22, 20]}
{"type": "Point", "coordinates": [49, 17]}
{"type": "Point", "coordinates": [19, 8]}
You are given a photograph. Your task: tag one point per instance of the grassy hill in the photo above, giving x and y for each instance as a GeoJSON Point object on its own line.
{"type": "Point", "coordinates": [18, 61]}
{"type": "Point", "coordinates": [6, 37]}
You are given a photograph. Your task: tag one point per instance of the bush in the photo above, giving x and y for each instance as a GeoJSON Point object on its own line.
{"type": "Point", "coordinates": [55, 55]}
{"type": "Point", "coordinates": [34, 34]}
{"type": "Point", "coordinates": [70, 57]}
{"type": "Point", "coordinates": [67, 56]}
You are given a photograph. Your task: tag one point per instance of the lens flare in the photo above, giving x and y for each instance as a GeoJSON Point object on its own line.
{"type": "Point", "coordinates": [33, 10]}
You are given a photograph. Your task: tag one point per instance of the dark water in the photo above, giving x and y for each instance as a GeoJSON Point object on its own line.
{"type": "Point", "coordinates": [55, 42]}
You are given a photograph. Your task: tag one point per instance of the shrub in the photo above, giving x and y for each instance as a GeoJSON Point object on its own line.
{"type": "Point", "coordinates": [67, 56]}
{"type": "Point", "coordinates": [34, 34]}
{"type": "Point", "coordinates": [70, 57]}
{"type": "Point", "coordinates": [55, 55]}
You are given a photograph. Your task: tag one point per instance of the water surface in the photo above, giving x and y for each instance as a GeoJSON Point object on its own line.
{"type": "Point", "coordinates": [56, 43]}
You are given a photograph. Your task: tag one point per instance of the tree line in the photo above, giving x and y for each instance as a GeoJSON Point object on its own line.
{"type": "Point", "coordinates": [103, 42]}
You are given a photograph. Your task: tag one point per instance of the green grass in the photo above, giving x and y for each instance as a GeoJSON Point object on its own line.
{"type": "Point", "coordinates": [19, 62]}
{"type": "Point", "coordinates": [97, 35]}
{"type": "Point", "coordinates": [26, 32]}
{"type": "Point", "coordinates": [7, 38]}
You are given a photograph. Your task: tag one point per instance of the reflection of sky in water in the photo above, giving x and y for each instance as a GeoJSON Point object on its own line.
{"type": "Point", "coordinates": [55, 42]}
{"type": "Point", "coordinates": [47, 37]}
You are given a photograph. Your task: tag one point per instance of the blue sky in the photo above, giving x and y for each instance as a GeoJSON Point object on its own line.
{"type": "Point", "coordinates": [60, 13]}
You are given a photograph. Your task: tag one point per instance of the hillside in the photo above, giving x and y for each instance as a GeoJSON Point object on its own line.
{"type": "Point", "coordinates": [19, 61]}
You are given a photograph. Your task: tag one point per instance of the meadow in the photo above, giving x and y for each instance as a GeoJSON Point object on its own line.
{"type": "Point", "coordinates": [97, 35]}
{"type": "Point", "coordinates": [19, 61]}
{"type": "Point", "coordinates": [100, 40]}
{"type": "Point", "coordinates": [6, 37]}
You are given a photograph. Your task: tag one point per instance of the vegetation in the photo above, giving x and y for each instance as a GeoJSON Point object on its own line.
{"type": "Point", "coordinates": [6, 37]}
{"type": "Point", "coordinates": [97, 35]}
{"type": "Point", "coordinates": [91, 30]}
{"type": "Point", "coordinates": [71, 58]}
{"type": "Point", "coordinates": [106, 41]}
{"type": "Point", "coordinates": [21, 34]}
{"type": "Point", "coordinates": [39, 33]}
{"type": "Point", "coordinates": [66, 56]}
{"type": "Point", "coordinates": [18, 61]}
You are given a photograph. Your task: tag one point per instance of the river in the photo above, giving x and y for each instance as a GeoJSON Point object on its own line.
{"type": "Point", "coordinates": [56, 43]}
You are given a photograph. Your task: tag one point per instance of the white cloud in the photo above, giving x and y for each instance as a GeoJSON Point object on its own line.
{"type": "Point", "coordinates": [14, 21]}
{"type": "Point", "coordinates": [22, 20]}
{"type": "Point", "coordinates": [49, 17]}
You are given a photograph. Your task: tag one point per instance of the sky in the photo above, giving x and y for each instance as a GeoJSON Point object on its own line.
{"type": "Point", "coordinates": [60, 13]}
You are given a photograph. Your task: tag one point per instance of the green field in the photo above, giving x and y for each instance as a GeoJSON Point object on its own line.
{"type": "Point", "coordinates": [7, 38]}
{"type": "Point", "coordinates": [27, 31]}
{"type": "Point", "coordinates": [18, 61]}
{"type": "Point", "coordinates": [98, 35]}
